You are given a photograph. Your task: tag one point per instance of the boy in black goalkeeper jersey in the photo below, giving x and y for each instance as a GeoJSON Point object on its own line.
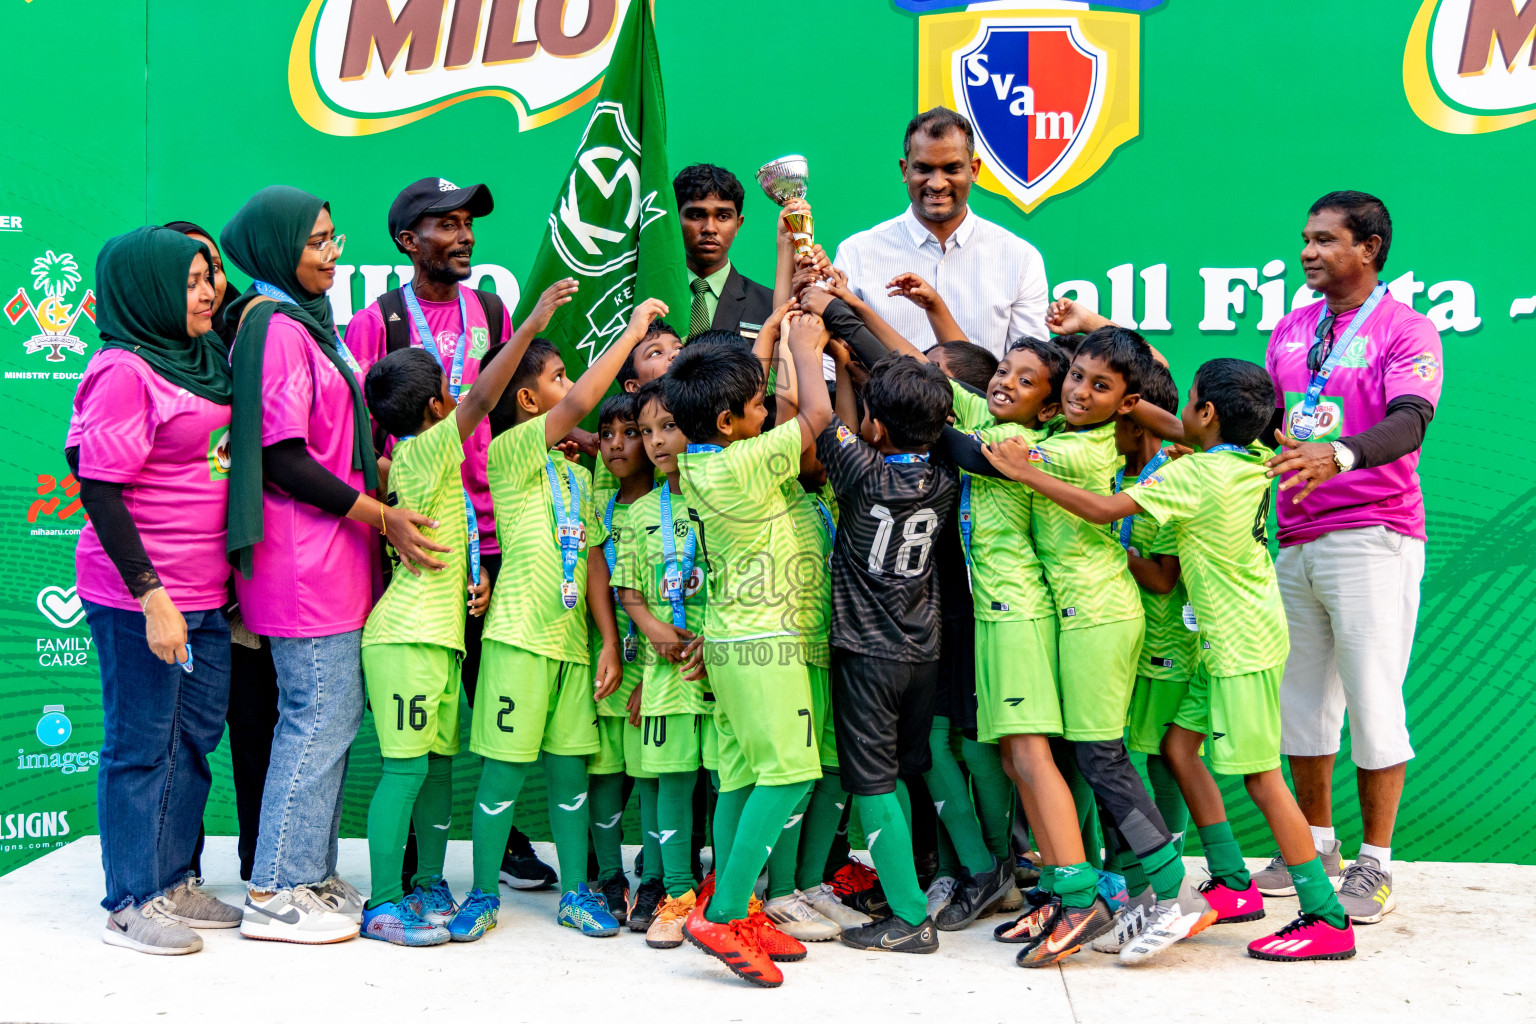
{"type": "Point", "coordinates": [894, 503]}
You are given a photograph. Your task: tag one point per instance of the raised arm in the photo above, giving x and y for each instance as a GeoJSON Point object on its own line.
{"type": "Point", "coordinates": [807, 337]}
{"type": "Point", "coordinates": [1157, 421]}
{"type": "Point", "coordinates": [590, 387]}
{"type": "Point", "coordinates": [1012, 457]}
{"type": "Point", "coordinates": [926, 297]}
{"type": "Point", "coordinates": [847, 406]}
{"type": "Point", "coordinates": [495, 375]}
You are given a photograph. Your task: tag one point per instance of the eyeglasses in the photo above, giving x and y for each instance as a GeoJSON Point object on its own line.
{"type": "Point", "coordinates": [339, 243]}
{"type": "Point", "coordinates": [1315, 354]}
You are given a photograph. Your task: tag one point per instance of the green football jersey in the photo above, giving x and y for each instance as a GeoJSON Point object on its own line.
{"type": "Point", "coordinates": [745, 526]}
{"type": "Point", "coordinates": [1007, 580]}
{"type": "Point", "coordinates": [613, 705]}
{"type": "Point", "coordinates": [812, 576]}
{"type": "Point", "coordinates": [641, 565]}
{"type": "Point", "coordinates": [430, 608]}
{"type": "Point", "coordinates": [1217, 505]}
{"type": "Point", "coordinates": [527, 609]}
{"type": "Point", "coordinates": [1170, 650]}
{"type": "Point", "coordinates": [1084, 562]}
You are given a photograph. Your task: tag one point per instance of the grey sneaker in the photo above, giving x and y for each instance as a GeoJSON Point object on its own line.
{"type": "Point", "coordinates": [338, 894]}
{"type": "Point", "coordinates": [1275, 879]}
{"type": "Point", "coordinates": [295, 915]}
{"type": "Point", "coordinates": [197, 909]}
{"type": "Point", "coordinates": [824, 901]}
{"type": "Point", "coordinates": [796, 917]}
{"type": "Point", "coordinates": [940, 891]}
{"type": "Point", "coordinates": [1367, 891]}
{"type": "Point", "coordinates": [1130, 920]}
{"type": "Point", "coordinates": [151, 928]}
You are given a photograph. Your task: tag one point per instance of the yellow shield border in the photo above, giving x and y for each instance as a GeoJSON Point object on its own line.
{"type": "Point", "coordinates": [1424, 98]}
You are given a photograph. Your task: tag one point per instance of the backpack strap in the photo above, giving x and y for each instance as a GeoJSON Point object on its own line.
{"type": "Point", "coordinates": [397, 323]}
{"type": "Point", "coordinates": [492, 306]}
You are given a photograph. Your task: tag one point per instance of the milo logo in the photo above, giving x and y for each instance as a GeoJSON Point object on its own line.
{"type": "Point", "coordinates": [1329, 416]}
{"type": "Point", "coordinates": [218, 455]}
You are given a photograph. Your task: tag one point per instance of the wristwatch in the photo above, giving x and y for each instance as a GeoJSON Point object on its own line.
{"type": "Point", "coordinates": [1342, 456]}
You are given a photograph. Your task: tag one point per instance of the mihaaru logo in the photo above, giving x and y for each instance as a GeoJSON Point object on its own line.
{"type": "Point", "coordinates": [1470, 65]}
{"type": "Point", "coordinates": [1051, 91]}
{"type": "Point", "coordinates": [362, 66]}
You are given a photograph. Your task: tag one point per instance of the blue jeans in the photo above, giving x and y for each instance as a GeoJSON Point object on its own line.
{"type": "Point", "coordinates": [161, 723]}
{"type": "Point", "coordinates": [320, 705]}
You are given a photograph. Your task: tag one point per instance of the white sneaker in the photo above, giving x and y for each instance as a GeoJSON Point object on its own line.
{"type": "Point", "coordinates": [940, 891]}
{"type": "Point", "coordinates": [799, 920]}
{"type": "Point", "coordinates": [1130, 921]}
{"type": "Point", "coordinates": [1168, 923]}
{"type": "Point", "coordinates": [151, 928]}
{"type": "Point", "coordinates": [825, 902]}
{"type": "Point", "coordinates": [295, 915]}
{"type": "Point", "coordinates": [340, 896]}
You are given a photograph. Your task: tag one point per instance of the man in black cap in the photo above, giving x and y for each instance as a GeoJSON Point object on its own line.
{"type": "Point", "coordinates": [432, 221]}
{"type": "Point", "coordinates": [709, 202]}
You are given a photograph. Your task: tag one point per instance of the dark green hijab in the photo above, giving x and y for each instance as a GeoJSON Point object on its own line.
{"type": "Point", "coordinates": [265, 239]}
{"type": "Point", "coordinates": [141, 306]}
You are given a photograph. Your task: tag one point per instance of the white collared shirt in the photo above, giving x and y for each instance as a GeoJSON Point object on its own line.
{"type": "Point", "coordinates": [992, 280]}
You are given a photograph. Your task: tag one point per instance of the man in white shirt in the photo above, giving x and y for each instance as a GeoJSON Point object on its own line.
{"type": "Point", "coordinates": [992, 281]}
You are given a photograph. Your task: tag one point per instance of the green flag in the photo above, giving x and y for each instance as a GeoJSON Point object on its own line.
{"type": "Point", "coordinates": [613, 226]}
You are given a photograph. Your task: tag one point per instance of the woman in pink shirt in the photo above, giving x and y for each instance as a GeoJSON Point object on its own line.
{"type": "Point", "coordinates": [303, 530]}
{"type": "Point", "coordinates": [148, 440]}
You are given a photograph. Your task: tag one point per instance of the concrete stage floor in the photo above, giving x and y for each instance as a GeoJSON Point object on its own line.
{"type": "Point", "coordinates": [1431, 960]}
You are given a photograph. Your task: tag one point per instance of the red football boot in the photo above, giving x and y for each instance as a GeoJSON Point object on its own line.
{"type": "Point", "coordinates": [734, 944]}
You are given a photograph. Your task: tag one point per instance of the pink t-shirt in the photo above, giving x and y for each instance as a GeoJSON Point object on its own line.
{"type": "Point", "coordinates": [312, 573]}
{"type": "Point", "coordinates": [365, 338]}
{"type": "Point", "coordinates": [1396, 354]}
{"type": "Point", "coordinates": [170, 450]}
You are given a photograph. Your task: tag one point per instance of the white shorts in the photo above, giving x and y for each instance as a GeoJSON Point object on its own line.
{"type": "Point", "coordinates": [1351, 603]}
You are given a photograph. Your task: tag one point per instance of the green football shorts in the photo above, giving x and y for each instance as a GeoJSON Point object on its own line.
{"type": "Point", "coordinates": [609, 759]}
{"type": "Point", "coordinates": [767, 735]}
{"type": "Point", "coordinates": [414, 692]}
{"type": "Point", "coordinates": [526, 703]}
{"type": "Point", "coordinates": [1098, 673]}
{"type": "Point", "coordinates": [634, 755]}
{"type": "Point", "coordinates": [821, 712]}
{"type": "Point", "coordinates": [1241, 715]}
{"type": "Point", "coordinates": [670, 743]}
{"type": "Point", "coordinates": [1154, 703]}
{"type": "Point", "coordinates": [1016, 692]}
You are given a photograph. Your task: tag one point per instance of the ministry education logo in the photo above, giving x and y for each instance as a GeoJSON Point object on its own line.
{"type": "Point", "coordinates": [358, 67]}
{"type": "Point", "coordinates": [1051, 90]}
{"type": "Point", "coordinates": [55, 276]}
{"type": "Point", "coordinates": [1469, 66]}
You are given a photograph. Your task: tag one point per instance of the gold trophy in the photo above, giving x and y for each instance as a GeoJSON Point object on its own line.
{"type": "Point", "coordinates": [782, 180]}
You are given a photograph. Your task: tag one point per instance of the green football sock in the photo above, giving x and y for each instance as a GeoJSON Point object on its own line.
{"type": "Point", "coordinates": [1047, 881]}
{"type": "Point", "coordinates": [1314, 891]}
{"type": "Point", "coordinates": [785, 858]}
{"type": "Point", "coordinates": [949, 861]}
{"type": "Point", "coordinates": [569, 818]}
{"type": "Point", "coordinates": [433, 815]}
{"type": "Point", "coordinates": [1164, 868]}
{"type": "Point", "coordinates": [889, 838]}
{"type": "Point", "coordinates": [673, 826]}
{"type": "Point", "coordinates": [903, 798]}
{"type": "Point", "coordinates": [646, 791]}
{"type": "Point", "coordinates": [952, 802]}
{"type": "Point", "coordinates": [819, 829]}
{"type": "Point", "coordinates": [761, 825]}
{"type": "Point", "coordinates": [389, 818]}
{"type": "Point", "coordinates": [491, 822]}
{"type": "Point", "coordinates": [1223, 856]}
{"type": "Point", "coordinates": [995, 797]}
{"type": "Point", "coordinates": [1077, 884]}
{"type": "Point", "coordinates": [1125, 862]}
{"type": "Point", "coordinates": [605, 795]}
{"type": "Point", "coordinates": [728, 808]}
{"type": "Point", "coordinates": [1169, 800]}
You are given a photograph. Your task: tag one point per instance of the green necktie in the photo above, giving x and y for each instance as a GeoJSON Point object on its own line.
{"type": "Point", "coordinates": [698, 315]}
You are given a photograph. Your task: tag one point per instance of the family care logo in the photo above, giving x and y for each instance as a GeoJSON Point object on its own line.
{"type": "Point", "coordinates": [54, 276]}
{"type": "Point", "coordinates": [1470, 65]}
{"type": "Point", "coordinates": [1051, 90]}
{"type": "Point", "coordinates": [362, 66]}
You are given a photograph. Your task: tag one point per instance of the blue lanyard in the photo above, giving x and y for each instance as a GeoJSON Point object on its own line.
{"type": "Point", "coordinates": [965, 517]}
{"type": "Point", "coordinates": [905, 457]}
{"type": "Point", "coordinates": [1305, 422]}
{"type": "Point", "coordinates": [826, 518]}
{"type": "Point", "coordinates": [704, 449]}
{"type": "Point", "coordinates": [272, 291]}
{"type": "Point", "coordinates": [677, 571]}
{"type": "Point", "coordinates": [1153, 465]}
{"type": "Point", "coordinates": [456, 375]}
{"type": "Point", "coordinates": [455, 382]}
{"type": "Point", "coordinates": [610, 555]}
{"type": "Point", "coordinates": [568, 531]}
{"type": "Point", "coordinates": [1224, 447]}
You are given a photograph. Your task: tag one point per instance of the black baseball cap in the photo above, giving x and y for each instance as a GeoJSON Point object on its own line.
{"type": "Point", "coordinates": [434, 195]}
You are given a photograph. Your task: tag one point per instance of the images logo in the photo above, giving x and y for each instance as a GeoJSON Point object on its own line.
{"type": "Point", "coordinates": [356, 67]}
{"type": "Point", "coordinates": [1470, 65]}
{"type": "Point", "coordinates": [53, 730]}
{"type": "Point", "coordinates": [61, 607]}
{"type": "Point", "coordinates": [55, 275]}
{"type": "Point", "coordinates": [1050, 93]}
{"type": "Point", "coordinates": [54, 727]}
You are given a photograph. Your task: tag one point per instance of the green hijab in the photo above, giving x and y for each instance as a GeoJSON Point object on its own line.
{"type": "Point", "coordinates": [265, 239]}
{"type": "Point", "coordinates": [141, 306]}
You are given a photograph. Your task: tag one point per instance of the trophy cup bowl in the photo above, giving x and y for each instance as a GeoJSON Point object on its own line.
{"type": "Point", "coordinates": [782, 180]}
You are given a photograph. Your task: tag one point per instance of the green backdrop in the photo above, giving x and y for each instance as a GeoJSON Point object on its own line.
{"type": "Point", "coordinates": [123, 113]}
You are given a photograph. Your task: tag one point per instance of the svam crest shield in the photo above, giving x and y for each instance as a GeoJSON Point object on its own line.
{"type": "Point", "coordinates": [1051, 94]}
